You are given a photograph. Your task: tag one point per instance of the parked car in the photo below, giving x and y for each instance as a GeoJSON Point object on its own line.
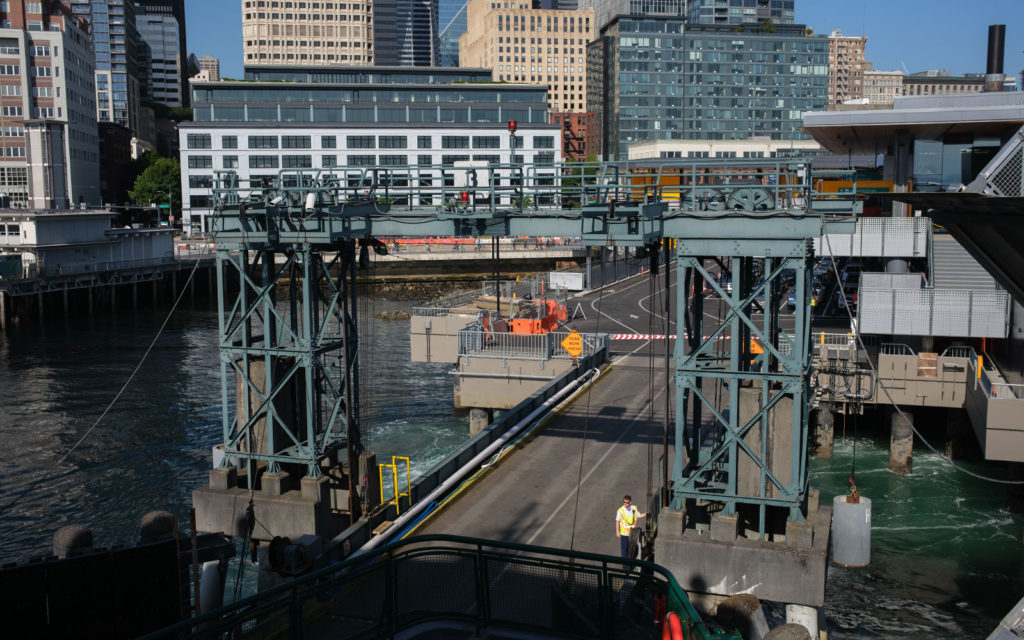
{"type": "Point", "coordinates": [824, 266]}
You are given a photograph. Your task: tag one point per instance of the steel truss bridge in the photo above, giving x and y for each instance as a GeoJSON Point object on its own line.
{"type": "Point", "coordinates": [289, 340]}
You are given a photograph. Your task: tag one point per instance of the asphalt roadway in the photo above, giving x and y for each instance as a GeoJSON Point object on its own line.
{"type": "Point", "coordinates": [563, 484]}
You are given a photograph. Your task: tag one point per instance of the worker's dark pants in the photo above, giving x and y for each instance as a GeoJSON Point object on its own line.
{"type": "Point", "coordinates": [624, 543]}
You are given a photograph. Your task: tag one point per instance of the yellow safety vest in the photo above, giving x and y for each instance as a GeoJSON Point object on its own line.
{"type": "Point", "coordinates": [626, 519]}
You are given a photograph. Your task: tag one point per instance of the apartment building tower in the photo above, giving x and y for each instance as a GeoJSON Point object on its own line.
{"type": "Point", "coordinates": [164, 66]}
{"type": "Point", "coordinates": [846, 67]}
{"type": "Point", "coordinates": [286, 32]}
{"type": "Point", "coordinates": [380, 32]}
{"type": "Point", "coordinates": [736, 12]}
{"type": "Point", "coordinates": [48, 138]}
{"type": "Point", "coordinates": [161, 25]}
{"type": "Point", "coordinates": [712, 82]}
{"type": "Point", "coordinates": [211, 66]}
{"type": "Point", "coordinates": [521, 44]}
{"type": "Point", "coordinates": [116, 44]}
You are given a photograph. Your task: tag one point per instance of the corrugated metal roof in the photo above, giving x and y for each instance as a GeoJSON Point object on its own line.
{"type": "Point", "coordinates": [954, 268]}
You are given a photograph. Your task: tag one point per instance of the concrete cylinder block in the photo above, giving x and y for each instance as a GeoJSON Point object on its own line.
{"type": "Point", "coordinates": [72, 540]}
{"type": "Point", "coordinates": [851, 532]}
{"type": "Point", "coordinates": [744, 613]}
{"type": "Point", "coordinates": [156, 526]}
{"type": "Point", "coordinates": [804, 616]}
{"type": "Point", "coordinates": [788, 631]}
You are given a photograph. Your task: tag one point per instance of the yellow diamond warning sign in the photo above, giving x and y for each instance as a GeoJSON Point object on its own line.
{"type": "Point", "coordinates": [573, 344]}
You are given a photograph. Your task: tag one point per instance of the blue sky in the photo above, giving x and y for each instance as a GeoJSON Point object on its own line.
{"type": "Point", "coordinates": [911, 34]}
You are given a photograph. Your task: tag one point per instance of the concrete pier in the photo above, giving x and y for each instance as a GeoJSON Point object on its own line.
{"type": "Point", "coordinates": [959, 436]}
{"type": "Point", "coordinates": [901, 442]}
{"type": "Point", "coordinates": [824, 432]}
{"type": "Point", "coordinates": [479, 419]}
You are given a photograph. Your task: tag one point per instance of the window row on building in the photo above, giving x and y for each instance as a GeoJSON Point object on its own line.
{"type": "Point", "coordinates": [262, 141]}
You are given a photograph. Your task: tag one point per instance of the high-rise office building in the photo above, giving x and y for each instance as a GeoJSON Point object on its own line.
{"type": "Point", "coordinates": [452, 22]}
{"type": "Point", "coordinates": [164, 64]}
{"type": "Point", "coordinates": [452, 25]}
{"type": "Point", "coordinates": [211, 66]}
{"type": "Point", "coordinates": [275, 32]}
{"type": "Point", "coordinates": [405, 33]}
{"type": "Point", "coordinates": [48, 138]}
{"type": "Point", "coordinates": [116, 43]}
{"type": "Point", "coordinates": [736, 12]}
{"type": "Point", "coordinates": [846, 67]}
{"type": "Point", "coordinates": [380, 32]}
{"type": "Point", "coordinates": [606, 10]}
{"type": "Point", "coordinates": [658, 78]}
{"type": "Point", "coordinates": [173, 10]}
{"type": "Point", "coordinates": [534, 46]}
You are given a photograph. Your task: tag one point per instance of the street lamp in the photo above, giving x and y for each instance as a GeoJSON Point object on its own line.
{"type": "Point", "coordinates": [170, 206]}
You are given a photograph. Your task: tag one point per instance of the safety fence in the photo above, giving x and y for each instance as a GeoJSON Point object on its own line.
{"type": "Point", "coordinates": [895, 349]}
{"type": "Point", "coordinates": [990, 380]}
{"type": "Point", "coordinates": [475, 343]}
{"type": "Point", "coordinates": [460, 586]}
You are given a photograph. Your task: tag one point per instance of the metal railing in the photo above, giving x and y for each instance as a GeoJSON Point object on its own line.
{"type": "Point", "coordinates": [52, 269]}
{"type": "Point", "coordinates": [696, 185]}
{"type": "Point", "coordinates": [982, 369]}
{"type": "Point", "coordinates": [895, 349]}
{"type": "Point", "coordinates": [833, 339]}
{"type": "Point", "coordinates": [959, 351]}
{"type": "Point", "coordinates": [476, 343]}
{"type": "Point", "coordinates": [465, 584]}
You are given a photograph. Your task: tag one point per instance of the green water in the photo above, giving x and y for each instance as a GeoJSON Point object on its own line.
{"type": "Point", "coordinates": [946, 557]}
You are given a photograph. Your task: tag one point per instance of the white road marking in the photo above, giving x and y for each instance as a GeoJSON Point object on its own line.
{"type": "Point", "coordinates": [611, 447]}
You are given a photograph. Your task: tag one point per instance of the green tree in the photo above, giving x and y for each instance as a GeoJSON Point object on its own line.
{"type": "Point", "coordinates": [575, 176]}
{"type": "Point", "coordinates": [162, 176]}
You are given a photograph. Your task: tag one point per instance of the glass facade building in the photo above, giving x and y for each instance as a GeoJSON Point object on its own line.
{"type": "Point", "coordinates": [396, 96]}
{"type": "Point", "coordinates": [652, 78]}
{"type": "Point", "coordinates": [163, 73]}
{"type": "Point", "coordinates": [451, 31]}
{"type": "Point", "coordinates": [739, 11]}
{"type": "Point", "coordinates": [405, 32]}
{"type": "Point", "coordinates": [116, 44]}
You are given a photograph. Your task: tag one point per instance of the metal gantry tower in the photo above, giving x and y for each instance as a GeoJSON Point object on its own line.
{"type": "Point", "coordinates": [289, 341]}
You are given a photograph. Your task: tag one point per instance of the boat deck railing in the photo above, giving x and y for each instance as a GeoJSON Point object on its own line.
{"type": "Point", "coordinates": [421, 582]}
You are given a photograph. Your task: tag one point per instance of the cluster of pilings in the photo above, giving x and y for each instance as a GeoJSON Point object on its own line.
{"type": "Point", "coordinates": [949, 430]}
{"type": "Point", "coordinates": [65, 297]}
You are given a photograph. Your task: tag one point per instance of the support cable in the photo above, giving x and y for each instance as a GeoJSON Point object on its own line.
{"type": "Point", "coordinates": [885, 389]}
{"type": "Point", "coordinates": [586, 424]}
{"type": "Point", "coordinates": [117, 396]}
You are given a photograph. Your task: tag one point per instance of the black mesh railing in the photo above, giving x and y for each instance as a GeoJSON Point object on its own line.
{"type": "Point", "coordinates": [469, 583]}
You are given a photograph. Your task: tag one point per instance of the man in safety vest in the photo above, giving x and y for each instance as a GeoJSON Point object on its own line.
{"type": "Point", "coordinates": [625, 520]}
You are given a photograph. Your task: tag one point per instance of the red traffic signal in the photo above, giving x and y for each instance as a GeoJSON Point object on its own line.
{"type": "Point", "coordinates": [464, 196]}
{"type": "Point", "coordinates": [511, 126]}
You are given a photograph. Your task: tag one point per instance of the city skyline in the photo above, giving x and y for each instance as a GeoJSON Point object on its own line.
{"type": "Point", "coordinates": [215, 29]}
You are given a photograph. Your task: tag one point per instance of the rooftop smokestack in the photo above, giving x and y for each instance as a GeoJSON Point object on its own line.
{"type": "Point", "coordinates": [994, 65]}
